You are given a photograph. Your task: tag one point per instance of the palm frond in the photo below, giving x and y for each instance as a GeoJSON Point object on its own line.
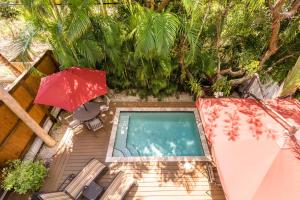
{"type": "Point", "coordinates": [145, 39]}
{"type": "Point", "coordinates": [155, 33]}
{"type": "Point", "coordinates": [78, 19]}
{"type": "Point", "coordinates": [21, 47]}
{"type": "Point", "coordinates": [90, 51]}
{"type": "Point", "coordinates": [190, 6]}
{"type": "Point", "coordinates": [107, 33]}
{"type": "Point", "coordinates": [292, 81]}
{"type": "Point", "coordinates": [165, 30]}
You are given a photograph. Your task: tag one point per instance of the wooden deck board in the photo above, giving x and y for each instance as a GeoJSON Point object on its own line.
{"type": "Point", "coordinates": [156, 180]}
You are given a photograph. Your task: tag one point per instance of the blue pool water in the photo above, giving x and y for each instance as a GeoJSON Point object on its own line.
{"type": "Point", "coordinates": [157, 134]}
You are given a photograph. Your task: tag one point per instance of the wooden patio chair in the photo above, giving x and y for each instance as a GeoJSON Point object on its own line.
{"type": "Point", "coordinates": [76, 186]}
{"type": "Point", "coordinates": [94, 124]}
{"type": "Point", "coordinates": [213, 180]}
{"type": "Point", "coordinates": [103, 103]}
{"type": "Point", "coordinates": [118, 188]}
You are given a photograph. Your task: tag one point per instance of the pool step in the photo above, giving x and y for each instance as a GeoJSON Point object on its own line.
{"type": "Point", "coordinates": [124, 124]}
{"type": "Point", "coordinates": [133, 151]}
{"type": "Point", "coordinates": [118, 153]}
{"type": "Point", "coordinates": [122, 138]}
{"type": "Point", "coordinates": [125, 152]}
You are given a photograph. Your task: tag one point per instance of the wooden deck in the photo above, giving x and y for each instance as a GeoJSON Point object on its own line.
{"type": "Point", "coordinates": [156, 180]}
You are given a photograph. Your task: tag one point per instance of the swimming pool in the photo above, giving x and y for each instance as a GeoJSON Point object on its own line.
{"type": "Point", "coordinates": [157, 134]}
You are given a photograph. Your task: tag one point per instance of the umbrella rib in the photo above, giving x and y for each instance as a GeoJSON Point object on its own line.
{"type": "Point", "coordinates": [291, 130]}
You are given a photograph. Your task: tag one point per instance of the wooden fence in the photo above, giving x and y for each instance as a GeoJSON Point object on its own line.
{"type": "Point", "coordinates": [15, 136]}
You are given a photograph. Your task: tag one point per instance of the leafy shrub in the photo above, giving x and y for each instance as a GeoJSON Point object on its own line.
{"type": "Point", "coordinates": [222, 85]}
{"type": "Point", "coordinates": [23, 176]}
{"type": "Point", "coordinates": [8, 11]}
{"type": "Point", "coordinates": [195, 87]}
{"type": "Point", "coordinates": [252, 67]}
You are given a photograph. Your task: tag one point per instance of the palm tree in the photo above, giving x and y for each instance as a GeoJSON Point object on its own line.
{"type": "Point", "coordinates": [67, 28]}
{"type": "Point", "coordinates": [154, 37]}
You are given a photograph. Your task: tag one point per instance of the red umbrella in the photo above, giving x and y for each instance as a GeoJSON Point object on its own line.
{"type": "Point", "coordinates": [255, 156]}
{"type": "Point", "coordinates": [71, 88]}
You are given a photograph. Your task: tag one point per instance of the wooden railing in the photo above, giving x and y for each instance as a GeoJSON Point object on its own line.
{"type": "Point", "coordinates": [15, 136]}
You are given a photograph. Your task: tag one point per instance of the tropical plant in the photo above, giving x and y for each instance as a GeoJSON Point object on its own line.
{"type": "Point", "coordinates": [66, 28]}
{"type": "Point", "coordinates": [161, 48]}
{"type": "Point", "coordinates": [223, 86]}
{"type": "Point", "coordinates": [7, 10]}
{"type": "Point", "coordinates": [23, 176]}
{"type": "Point", "coordinates": [292, 81]}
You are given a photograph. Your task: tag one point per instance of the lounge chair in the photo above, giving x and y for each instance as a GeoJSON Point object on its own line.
{"type": "Point", "coordinates": [118, 188]}
{"type": "Point", "coordinates": [74, 189]}
{"type": "Point", "coordinates": [54, 196]}
{"type": "Point", "coordinates": [104, 102]}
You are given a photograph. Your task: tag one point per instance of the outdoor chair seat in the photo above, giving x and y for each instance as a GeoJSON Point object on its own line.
{"type": "Point", "coordinates": [94, 124]}
{"type": "Point", "coordinates": [55, 196]}
{"type": "Point", "coordinates": [118, 188]}
{"type": "Point", "coordinates": [104, 108]}
{"type": "Point", "coordinates": [211, 175]}
{"type": "Point", "coordinates": [74, 189]}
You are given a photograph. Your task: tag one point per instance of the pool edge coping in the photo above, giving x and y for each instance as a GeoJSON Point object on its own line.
{"type": "Point", "coordinates": [110, 158]}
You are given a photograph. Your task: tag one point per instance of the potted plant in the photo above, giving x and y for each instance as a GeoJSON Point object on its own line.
{"type": "Point", "coordinates": [23, 176]}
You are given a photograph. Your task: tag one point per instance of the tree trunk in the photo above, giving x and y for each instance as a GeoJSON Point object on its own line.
{"type": "Point", "coordinates": [219, 28]}
{"type": "Point", "coordinates": [232, 73]}
{"type": "Point", "coordinates": [277, 17]}
{"type": "Point", "coordinates": [163, 5]}
{"type": "Point", "coordinates": [25, 117]}
{"type": "Point", "coordinates": [273, 41]}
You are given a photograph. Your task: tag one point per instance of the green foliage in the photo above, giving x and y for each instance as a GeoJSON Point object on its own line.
{"type": "Point", "coordinates": [155, 33]}
{"type": "Point", "coordinates": [22, 45]}
{"type": "Point", "coordinates": [196, 87]}
{"type": "Point", "coordinates": [297, 95]}
{"type": "Point", "coordinates": [292, 81]}
{"type": "Point", "coordinates": [252, 67]}
{"type": "Point", "coordinates": [23, 176]}
{"type": "Point", "coordinates": [161, 53]}
{"type": "Point", "coordinates": [8, 10]}
{"type": "Point", "coordinates": [291, 31]}
{"type": "Point", "coordinates": [66, 28]}
{"type": "Point", "coordinates": [222, 85]}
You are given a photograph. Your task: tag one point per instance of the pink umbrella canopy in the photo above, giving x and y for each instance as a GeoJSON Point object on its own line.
{"type": "Point", "coordinates": [71, 88]}
{"type": "Point", "coordinates": [255, 156]}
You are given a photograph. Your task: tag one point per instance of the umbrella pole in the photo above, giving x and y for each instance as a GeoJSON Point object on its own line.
{"type": "Point", "coordinates": [85, 107]}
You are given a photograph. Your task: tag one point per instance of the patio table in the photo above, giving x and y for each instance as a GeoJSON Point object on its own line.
{"type": "Point", "coordinates": [93, 191]}
{"type": "Point", "coordinates": [87, 112]}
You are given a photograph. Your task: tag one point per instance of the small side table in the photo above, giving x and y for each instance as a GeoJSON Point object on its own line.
{"type": "Point", "coordinates": [93, 191]}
